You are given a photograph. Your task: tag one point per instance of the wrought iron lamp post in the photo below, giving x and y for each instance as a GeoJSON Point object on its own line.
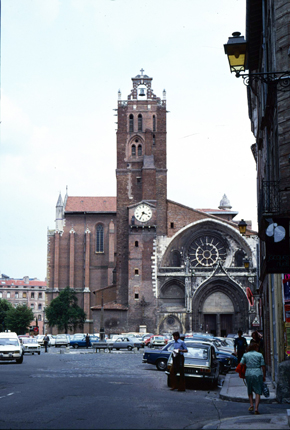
{"type": "Point", "coordinates": [236, 50]}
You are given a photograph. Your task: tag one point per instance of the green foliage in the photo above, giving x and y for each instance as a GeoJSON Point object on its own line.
{"type": "Point", "coordinates": [18, 319]}
{"type": "Point", "coordinates": [64, 311]}
{"type": "Point", "coordinates": [4, 308]}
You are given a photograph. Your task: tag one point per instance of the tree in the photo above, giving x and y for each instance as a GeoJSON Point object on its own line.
{"type": "Point", "coordinates": [64, 311]}
{"type": "Point", "coordinates": [18, 319]}
{"type": "Point", "coordinates": [4, 308]}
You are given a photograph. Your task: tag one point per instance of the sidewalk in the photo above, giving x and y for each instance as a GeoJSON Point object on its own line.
{"type": "Point", "coordinates": [235, 390]}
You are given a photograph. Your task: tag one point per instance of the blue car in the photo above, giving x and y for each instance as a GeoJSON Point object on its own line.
{"type": "Point", "coordinates": [79, 341]}
{"type": "Point", "coordinates": [160, 357]}
{"type": "Point", "coordinates": [227, 359]}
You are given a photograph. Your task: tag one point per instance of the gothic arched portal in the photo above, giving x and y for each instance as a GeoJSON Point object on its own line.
{"type": "Point", "coordinates": [219, 307]}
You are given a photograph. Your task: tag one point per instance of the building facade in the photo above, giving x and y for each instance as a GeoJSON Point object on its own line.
{"type": "Point", "coordinates": [26, 291]}
{"type": "Point", "coordinates": [163, 266]}
{"type": "Point", "coordinates": [268, 36]}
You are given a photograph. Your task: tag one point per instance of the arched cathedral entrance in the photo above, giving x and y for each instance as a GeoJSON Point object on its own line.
{"type": "Point", "coordinates": [219, 307]}
{"type": "Point", "coordinates": [218, 310]}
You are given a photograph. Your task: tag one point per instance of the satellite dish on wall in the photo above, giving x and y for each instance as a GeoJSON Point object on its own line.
{"type": "Point", "coordinates": [276, 231]}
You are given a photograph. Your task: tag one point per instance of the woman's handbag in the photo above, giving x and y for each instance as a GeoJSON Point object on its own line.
{"type": "Point", "coordinates": [241, 370]}
{"type": "Point", "coordinates": [265, 390]}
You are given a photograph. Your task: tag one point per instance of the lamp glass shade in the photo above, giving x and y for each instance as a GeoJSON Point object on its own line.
{"type": "Point", "coordinates": [242, 226]}
{"type": "Point", "coordinates": [236, 50]}
{"type": "Point", "coordinates": [246, 263]}
{"type": "Point", "coordinates": [237, 63]}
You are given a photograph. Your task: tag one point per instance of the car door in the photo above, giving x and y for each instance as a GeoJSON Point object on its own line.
{"type": "Point", "coordinates": [214, 363]}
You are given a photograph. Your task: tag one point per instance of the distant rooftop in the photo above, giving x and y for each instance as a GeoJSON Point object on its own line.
{"type": "Point", "coordinates": [91, 204]}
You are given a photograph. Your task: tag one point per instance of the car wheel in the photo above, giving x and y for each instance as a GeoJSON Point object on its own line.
{"type": "Point", "coordinates": [38, 353]}
{"type": "Point", "coordinates": [130, 348]}
{"type": "Point", "coordinates": [33, 353]}
{"type": "Point", "coordinates": [161, 364]}
{"type": "Point", "coordinates": [168, 381]}
{"type": "Point", "coordinates": [117, 349]}
{"type": "Point", "coordinates": [19, 360]}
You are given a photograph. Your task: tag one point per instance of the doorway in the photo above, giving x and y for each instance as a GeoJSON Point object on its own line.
{"type": "Point", "coordinates": [210, 323]}
{"type": "Point", "coordinates": [226, 324]}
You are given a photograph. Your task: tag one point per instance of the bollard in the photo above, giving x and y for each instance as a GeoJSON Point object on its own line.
{"type": "Point", "coordinates": [288, 416]}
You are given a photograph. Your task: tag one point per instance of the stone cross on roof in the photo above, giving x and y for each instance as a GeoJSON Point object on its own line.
{"type": "Point", "coordinates": [142, 70]}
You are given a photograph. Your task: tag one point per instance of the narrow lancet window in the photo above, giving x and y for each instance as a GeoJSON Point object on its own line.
{"type": "Point", "coordinates": [131, 122]}
{"type": "Point", "coordinates": [133, 150]}
{"type": "Point", "coordinates": [139, 150]}
{"type": "Point", "coordinates": [99, 238]}
{"type": "Point", "coordinates": [139, 122]}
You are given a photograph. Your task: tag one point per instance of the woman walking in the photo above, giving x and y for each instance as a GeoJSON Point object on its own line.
{"type": "Point", "coordinates": [255, 374]}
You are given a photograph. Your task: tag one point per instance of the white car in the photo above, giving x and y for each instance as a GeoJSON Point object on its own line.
{"type": "Point", "coordinates": [30, 346]}
{"type": "Point", "coordinates": [61, 340]}
{"type": "Point", "coordinates": [10, 347]}
{"type": "Point", "coordinates": [51, 340]}
{"type": "Point", "coordinates": [39, 339]}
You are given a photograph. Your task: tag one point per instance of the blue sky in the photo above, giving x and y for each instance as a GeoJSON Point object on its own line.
{"type": "Point", "coordinates": [62, 64]}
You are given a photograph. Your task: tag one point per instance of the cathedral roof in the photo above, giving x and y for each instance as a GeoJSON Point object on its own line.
{"type": "Point", "coordinates": [111, 306]}
{"type": "Point", "coordinates": [91, 204]}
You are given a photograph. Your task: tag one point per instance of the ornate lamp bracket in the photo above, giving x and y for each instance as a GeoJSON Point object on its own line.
{"type": "Point", "coordinates": [280, 79]}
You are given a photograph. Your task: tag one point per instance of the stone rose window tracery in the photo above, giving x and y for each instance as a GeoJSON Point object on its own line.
{"type": "Point", "coordinates": [206, 250]}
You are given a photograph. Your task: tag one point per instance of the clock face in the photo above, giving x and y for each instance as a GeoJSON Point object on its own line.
{"type": "Point", "coordinates": [143, 213]}
{"type": "Point", "coordinates": [205, 251]}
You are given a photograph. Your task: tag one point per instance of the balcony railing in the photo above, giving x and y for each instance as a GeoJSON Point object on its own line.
{"type": "Point", "coordinates": [269, 199]}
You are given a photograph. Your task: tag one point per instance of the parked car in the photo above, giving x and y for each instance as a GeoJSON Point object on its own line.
{"type": "Point", "coordinates": [51, 340]}
{"type": "Point", "coordinates": [79, 340]}
{"type": "Point", "coordinates": [227, 359]}
{"type": "Point", "coordinates": [156, 340]}
{"type": "Point", "coordinates": [39, 339]}
{"type": "Point", "coordinates": [158, 357]}
{"type": "Point", "coordinates": [61, 340]}
{"type": "Point", "coordinates": [30, 346]}
{"type": "Point", "coordinates": [10, 347]}
{"type": "Point", "coordinates": [225, 344]}
{"type": "Point", "coordinates": [199, 362]}
{"type": "Point", "coordinates": [125, 343]}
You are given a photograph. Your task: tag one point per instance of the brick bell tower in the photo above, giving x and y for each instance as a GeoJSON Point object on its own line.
{"type": "Point", "coordinates": [141, 198]}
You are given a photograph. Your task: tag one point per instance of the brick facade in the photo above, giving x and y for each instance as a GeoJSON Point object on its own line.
{"type": "Point", "coordinates": [146, 275]}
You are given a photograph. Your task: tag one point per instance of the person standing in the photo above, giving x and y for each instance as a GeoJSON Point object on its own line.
{"type": "Point", "coordinates": [255, 374]}
{"type": "Point", "coordinates": [177, 369]}
{"type": "Point", "coordinates": [88, 343]}
{"type": "Point", "coordinates": [240, 345]}
{"type": "Point", "coordinates": [257, 338]}
{"type": "Point", "coordinates": [45, 341]}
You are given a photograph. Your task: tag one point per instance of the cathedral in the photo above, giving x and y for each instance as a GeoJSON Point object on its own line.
{"type": "Point", "coordinates": [141, 262]}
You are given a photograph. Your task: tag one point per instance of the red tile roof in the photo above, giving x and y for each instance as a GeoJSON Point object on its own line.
{"type": "Point", "coordinates": [91, 204]}
{"type": "Point", "coordinates": [111, 306]}
{"type": "Point", "coordinates": [19, 283]}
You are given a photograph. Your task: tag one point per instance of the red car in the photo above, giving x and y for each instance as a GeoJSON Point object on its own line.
{"type": "Point", "coordinates": [156, 340]}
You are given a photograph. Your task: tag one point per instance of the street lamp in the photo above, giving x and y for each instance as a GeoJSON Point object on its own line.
{"type": "Point", "coordinates": [236, 50]}
{"type": "Point", "coordinates": [246, 263]}
{"type": "Point", "coordinates": [242, 227]}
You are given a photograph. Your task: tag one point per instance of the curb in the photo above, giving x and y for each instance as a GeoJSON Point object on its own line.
{"type": "Point", "coordinates": [275, 421]}
{"type": "Point", "coordinates": [242, 399]}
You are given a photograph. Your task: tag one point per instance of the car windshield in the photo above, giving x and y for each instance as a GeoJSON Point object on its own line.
{"type": "Point", "coordinates": [158, 338]}
{"type": "Point", "coordinates": [61, 336]}
{"type": "Point", "coordinates": [29, 340]}
{"type": "Point", "coordinates": [7, 341]}
{"type": "Point", "coordinates": [198, 353]}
